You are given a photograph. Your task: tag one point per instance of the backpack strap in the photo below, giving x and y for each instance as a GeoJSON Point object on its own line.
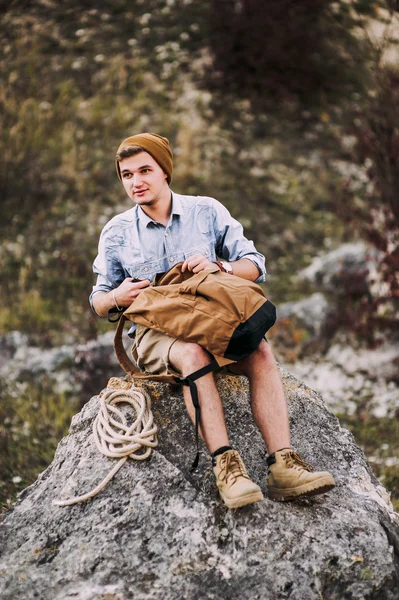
{"type": "Point", "coordinates": [127, 365]}
{"type": "Point", "coordinates": [124, 361]}
{"type": "Point", "coordinates": [190, 381]}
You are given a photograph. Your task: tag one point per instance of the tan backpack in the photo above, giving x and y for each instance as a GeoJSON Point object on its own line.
{"type": "Point", "coordinates": [225, 314]}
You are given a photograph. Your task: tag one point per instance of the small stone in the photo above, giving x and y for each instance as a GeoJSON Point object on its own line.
{"type": "Point", "coordinates": [224, 532]}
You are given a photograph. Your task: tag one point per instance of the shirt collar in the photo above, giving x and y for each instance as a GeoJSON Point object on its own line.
{"type": "Point", "coordinates": [177, 209]}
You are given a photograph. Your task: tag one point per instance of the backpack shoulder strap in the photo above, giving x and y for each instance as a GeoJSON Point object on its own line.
{"type": "Point", "coordinates": [127, 365]}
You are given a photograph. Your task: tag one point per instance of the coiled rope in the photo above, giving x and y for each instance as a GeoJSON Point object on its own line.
{"type": "Point", "coordinates": [115, 438]}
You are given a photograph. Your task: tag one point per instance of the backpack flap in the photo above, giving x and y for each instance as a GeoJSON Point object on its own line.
{"type": "Point", "coordinates": [190, 286]}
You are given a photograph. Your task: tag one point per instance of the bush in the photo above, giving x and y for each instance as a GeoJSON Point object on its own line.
{"type": "Point", "coordinates": [32, 421]}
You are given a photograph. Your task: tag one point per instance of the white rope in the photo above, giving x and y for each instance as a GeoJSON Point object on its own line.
{"type": "Point", "coordinates": [115, 438]}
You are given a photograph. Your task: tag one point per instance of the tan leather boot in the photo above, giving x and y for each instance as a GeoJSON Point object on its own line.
{"type": "Point", "coordinates": [291, 477]}
{"type": "Point", "coordinates": [232, 479]}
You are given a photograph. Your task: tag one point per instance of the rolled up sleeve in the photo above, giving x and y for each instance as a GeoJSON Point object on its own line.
{"type": "Point", "coordinates": [231, 243]}
{"type": "Point", "coordinates": [108, 269]}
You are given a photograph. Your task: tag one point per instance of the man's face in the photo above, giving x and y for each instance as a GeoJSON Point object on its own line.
{"type": "Point", "coordinates": [143, 179]}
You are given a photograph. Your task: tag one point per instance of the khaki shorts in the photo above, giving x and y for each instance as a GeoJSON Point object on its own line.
{"type": "Point", "coordinates": [151, 351]}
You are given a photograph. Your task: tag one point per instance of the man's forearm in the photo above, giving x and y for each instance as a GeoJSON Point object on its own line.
{"type": "Point", "coordinates": [122, 296]}
{"type": "Point", "coordinates": [246, 269]}
{"type": "Point", "coordinates": [102, 302]}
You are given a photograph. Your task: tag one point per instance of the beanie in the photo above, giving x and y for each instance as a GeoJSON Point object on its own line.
{"type": "Point", "coordinates": [155, 145]}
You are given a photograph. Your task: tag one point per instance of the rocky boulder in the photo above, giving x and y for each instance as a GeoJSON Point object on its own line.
{"type": "Point", "coordinates": [159, 532]}
{"type": "Point", "coordinates": [351, 379]}
{"type": "Point", "coordinates": [300, 328]}
{"type": "Point", "coordinates": [350, 267]}
{"type": "Point", "coordinates": [311, 312]}
{"type": "Point", "coordinates": [73, 368]}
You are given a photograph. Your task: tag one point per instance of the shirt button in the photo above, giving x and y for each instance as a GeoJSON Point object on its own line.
{"type": "Point", "coordinates": [172, 258]}
{"type": "Point", "coordinates": [166, 234]}
{"type": "Point", "coordinates": [146, 269]}
{"type": "Point", "coordinates": [206, 253]}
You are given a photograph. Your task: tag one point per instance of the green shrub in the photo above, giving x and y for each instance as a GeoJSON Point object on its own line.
{"type": "Point", "coordinates": [378, 438]}
{"type": "Point", "coordinates": [33, 419]}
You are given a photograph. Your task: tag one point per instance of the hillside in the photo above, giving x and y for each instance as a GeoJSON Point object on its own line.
{"type": "Point", "coordinates": [285, 111]}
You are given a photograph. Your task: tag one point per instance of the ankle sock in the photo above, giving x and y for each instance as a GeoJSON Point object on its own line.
{"type": "Point", "coordinates": [221, 450]}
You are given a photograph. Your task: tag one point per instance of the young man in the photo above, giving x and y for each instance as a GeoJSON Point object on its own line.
{"type": "Point", "coordinates": [164, 228]}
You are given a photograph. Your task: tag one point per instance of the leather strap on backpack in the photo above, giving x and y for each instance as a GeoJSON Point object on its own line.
{"type": "Point", "coordinates": [120, 351]}
{"type": "Point", "coordinates": [127, 365]}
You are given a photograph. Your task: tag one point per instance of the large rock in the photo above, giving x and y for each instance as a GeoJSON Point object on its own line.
{"type": "Point", "coordinates": [310, 312]}
{"type": "Point", "coordinates": [351, 379]}
{"type": "Point", "coordinates": [73, 369]}
{"type": "Point", "coordinates": [349, 268]}
{"type": "Point", "coordinates": [159, 532]}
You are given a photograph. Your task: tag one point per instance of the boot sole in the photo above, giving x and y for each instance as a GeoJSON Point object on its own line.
{"type": "Point", "coordinates": [242, 500]}
{"type": "Point", "coordinates": [318, 487]}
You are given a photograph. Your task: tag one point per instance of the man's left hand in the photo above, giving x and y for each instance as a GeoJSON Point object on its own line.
{"type": "Point", "coordinates": [197, 263]}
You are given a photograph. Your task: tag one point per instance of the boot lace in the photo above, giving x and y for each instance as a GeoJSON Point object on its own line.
{"type": "Point", "coordinates": [293, 459]}
{"type": "Point", "coordinates": [231, 466]}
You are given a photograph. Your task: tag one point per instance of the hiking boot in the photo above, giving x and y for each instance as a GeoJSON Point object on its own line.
{"type": "Point", "coordinates": [291, 477]}
{"type": "Point", "coordinates": [232, 479]}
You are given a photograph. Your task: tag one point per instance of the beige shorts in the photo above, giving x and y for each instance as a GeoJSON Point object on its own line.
{"type": "Point", "coordinates": [151, 351]}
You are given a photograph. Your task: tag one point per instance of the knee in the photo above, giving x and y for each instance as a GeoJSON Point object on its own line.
{"type": "Point", "coordinates": [264, 354]}
{"type": "Point", "coordinates": [261, 358]}
{"type": "Point", "coordinates": [195, 357]}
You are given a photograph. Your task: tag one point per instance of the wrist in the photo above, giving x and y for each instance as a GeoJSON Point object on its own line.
{"type": "Point", "coordinates": [224, 266]}
{"type": "Point", "coordinates": [115, 301]}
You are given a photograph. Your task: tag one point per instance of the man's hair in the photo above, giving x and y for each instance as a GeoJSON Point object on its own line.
{"type": "Point", "coordinates": [128, 151]}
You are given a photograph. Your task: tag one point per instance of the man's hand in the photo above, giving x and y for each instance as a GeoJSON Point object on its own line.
{"type": "Point", "coordinates": [124, 295]}
{"type": "Point", "coordinates": [128, 291]}
{"type": "Point", "coordinates": [196, 263]}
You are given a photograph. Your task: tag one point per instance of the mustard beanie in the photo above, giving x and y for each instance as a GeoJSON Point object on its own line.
{"type": "Point", "coordinates": [155, 145]}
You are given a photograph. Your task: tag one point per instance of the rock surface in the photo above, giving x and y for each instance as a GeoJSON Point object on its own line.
{"type": "Point", "coordinates": [353, 263]}
{"type": "Point", "coordinates": [75, 369]}
{"type": "Point", "coordinates": [312, 312]}
{"type": "Point", "coordinates": [350, 379]}
{"type": "Point", "coordinates": [159, 532]}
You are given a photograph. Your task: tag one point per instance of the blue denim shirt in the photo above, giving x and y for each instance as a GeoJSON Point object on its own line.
{"type": "Point", "coordinates": [133, 245]}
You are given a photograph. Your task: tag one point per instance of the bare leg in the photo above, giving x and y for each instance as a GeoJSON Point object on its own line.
{"type": "Point", "coordinates": [187, 358]}
{"type": "Point", "coordinates": [268, 402]}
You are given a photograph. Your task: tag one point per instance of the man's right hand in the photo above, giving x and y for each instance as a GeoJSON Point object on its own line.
{"type": "Point", "coordinates": [124, 294]}
{"type": "Point", "coordinates": [128, 291]}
